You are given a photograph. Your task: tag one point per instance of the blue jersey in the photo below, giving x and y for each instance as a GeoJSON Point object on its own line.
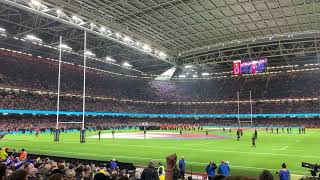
{"type": "Point", "coordinates": [224, 169]}
{"type": "Point", "coordinates": [284, 174]}
{"type": "Point", "coordinates": [182, 165]}
{"type": "Point", "coordinates": [113, 165]}
{"type": "Point", "coordinates": [211, 170]}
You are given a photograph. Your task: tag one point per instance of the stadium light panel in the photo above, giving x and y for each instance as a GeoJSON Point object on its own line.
{"type": "Point", "coordinates": [33, 38]}
{"type": "Point", "coordinates": [35, 3]}
{"type": "Point", "coordinates": [59, 11]}
{"type": "Point", "coordinates": [89, 53]}
{"type": "Point", "coordinates": [77, 19]}
{"type": "Point", "coordinates": [103, 29]}
{"type": "Point", "coordinates": [110, 59]}
{"type": "Point", "coordinates": [127, 39]}
{"type": "Point", "coordinates": [162, 54]}
{"type": "Point", "coordinates": [146, 47]}
{"type": "Point", "coordinates": [188, 66]}
{"type": "Point", "coordinates": [126, 64]}
{"type": "Point", "coordinates": [64, 46]}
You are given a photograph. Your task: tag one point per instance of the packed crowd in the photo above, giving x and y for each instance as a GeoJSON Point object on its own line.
{"type": "Point", "coordinates": [21, 73]}
{"type": "Point", "coordinates": [34, 101]}
{"type": "Point", "coordinates": [16, 165]}
{"type": "Point", "coordinates": [43, 123]}
{"type": "Point", "coordinates": [20, 166]}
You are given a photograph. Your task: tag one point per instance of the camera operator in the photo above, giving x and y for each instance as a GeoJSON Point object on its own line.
{"type": "Point", "coordinates": [314, 170]}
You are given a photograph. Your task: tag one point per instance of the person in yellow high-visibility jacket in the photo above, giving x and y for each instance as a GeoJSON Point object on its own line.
{"type": "Point", "coordinates": [3, 154]}
{"type": "Point", "coordinates": [161, 171]}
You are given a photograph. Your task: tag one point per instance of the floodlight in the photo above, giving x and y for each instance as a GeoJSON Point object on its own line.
{"type": "Point", "coordinates": [64, 46]}
{"type": "Point", "coordinates": [205, 74]}
{"type": "Point", "coordinates": [127, 39]}
{"type": "Point", "coordinates": [35, 3]}
{"type": "Point", "coordinates": [45, 9]}
{"type": "Point", "coordinates": [89, 53]}
{"type": "Point", "coordinates": [126, 64]}
{"type": "Point", "coordinates": [146, 47]}
{"type": "Point", "coordinates": [162, 54]}
{"type": "Point", "coordinates": [110, 59]}
{"type": "Point", "coordinates": [59, 11]}
{"type": "Point", "coordinates": [33, 38]}
{"type": "Point", "coordinates": [2, 30]}
{"type": "Point", "coordinates": [103, 29]}
{"type": "Point", "coordinates": [77, 19]}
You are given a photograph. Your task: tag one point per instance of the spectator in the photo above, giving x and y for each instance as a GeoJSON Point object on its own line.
{"type": "Point", "coordinates": [56, 176]}
{"type": "Point", "coordinates": [19, 175]}
{"type": "Point", "coordinates": [224, 168]}
{"type": "Point", "coordinates": [171, 163]}
{"type": "Point", "coordinates": [211, 170]}
{"type": "Point", "coordinates": [265, 175]}
{"type": "Point", "coordinates": [161, 169]}
{"type": "Point", "coordinates": [113, 165]}
{"type": "Point", "coordinates": [182, 167]}
{"type": "Point", "coordinates": [100, 176]}
{"type": "Point", "coordinates": [23, 155]}
{"type": "Point", "coordinates": [150, 173]}
{"type": "Point", "coordinates": [123, 175]}
{"type": "Point", "coordinates": [132, 175]}
{"type": "Point", "coordinates": [284, 173]}
{"type": "Point", "coordinates": [3, 154]}
{"type": "Point", "coordinates": [3, 172]}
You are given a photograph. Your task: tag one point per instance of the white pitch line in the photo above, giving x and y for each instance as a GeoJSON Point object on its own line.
{"type": "Point", "coordinates": [149, 158]}
{"type": "Point", "coordinates": [208, 143]}
{"type": "Point", "coordinates": [284, 148]}
{"type": "Point", "coordinates": [194, 149]}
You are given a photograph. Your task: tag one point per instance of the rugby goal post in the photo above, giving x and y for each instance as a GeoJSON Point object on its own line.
{"type": "Point", "coordinates": [244, 121]}
{"type": "Point", "coordinates": [82, 131]}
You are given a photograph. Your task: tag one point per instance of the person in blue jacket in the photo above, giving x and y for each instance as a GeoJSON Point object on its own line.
{"type": "Point", "coordinates": [211, 170]}
{"type": "Point", "coordinates": [182, 167]}
{"type": "Point", "coordinates": [284, 173]}
{"type": "Point", "coordinates": [224, 168]}
{"type": "Point", "coordinates": [113, 165]}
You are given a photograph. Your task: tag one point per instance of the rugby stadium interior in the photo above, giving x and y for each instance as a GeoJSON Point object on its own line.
{"type": "Point", "coordinates": [159, 89]}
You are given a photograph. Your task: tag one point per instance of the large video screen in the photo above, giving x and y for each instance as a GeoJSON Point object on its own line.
{"type": "Point", "coordinates": [250, 66]}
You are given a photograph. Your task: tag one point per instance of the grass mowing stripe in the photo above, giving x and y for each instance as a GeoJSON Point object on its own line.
{"type": "Point", "coordinates": [251, 161]}
{"type": "Point", "coordinates": [196, 149]}
{"type": "Point", "coordinates": [147, 158]}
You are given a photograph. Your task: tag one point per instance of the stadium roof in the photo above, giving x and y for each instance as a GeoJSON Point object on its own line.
{"type": "Point", "coordinates": [210, 32]}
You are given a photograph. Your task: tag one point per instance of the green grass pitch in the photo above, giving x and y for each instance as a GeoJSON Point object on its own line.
{"type": "Point", "coordinates": [271, 151]}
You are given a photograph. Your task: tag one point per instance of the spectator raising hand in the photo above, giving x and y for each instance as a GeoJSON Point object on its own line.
{"type": "Point", "coordinates": [171, 163]}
